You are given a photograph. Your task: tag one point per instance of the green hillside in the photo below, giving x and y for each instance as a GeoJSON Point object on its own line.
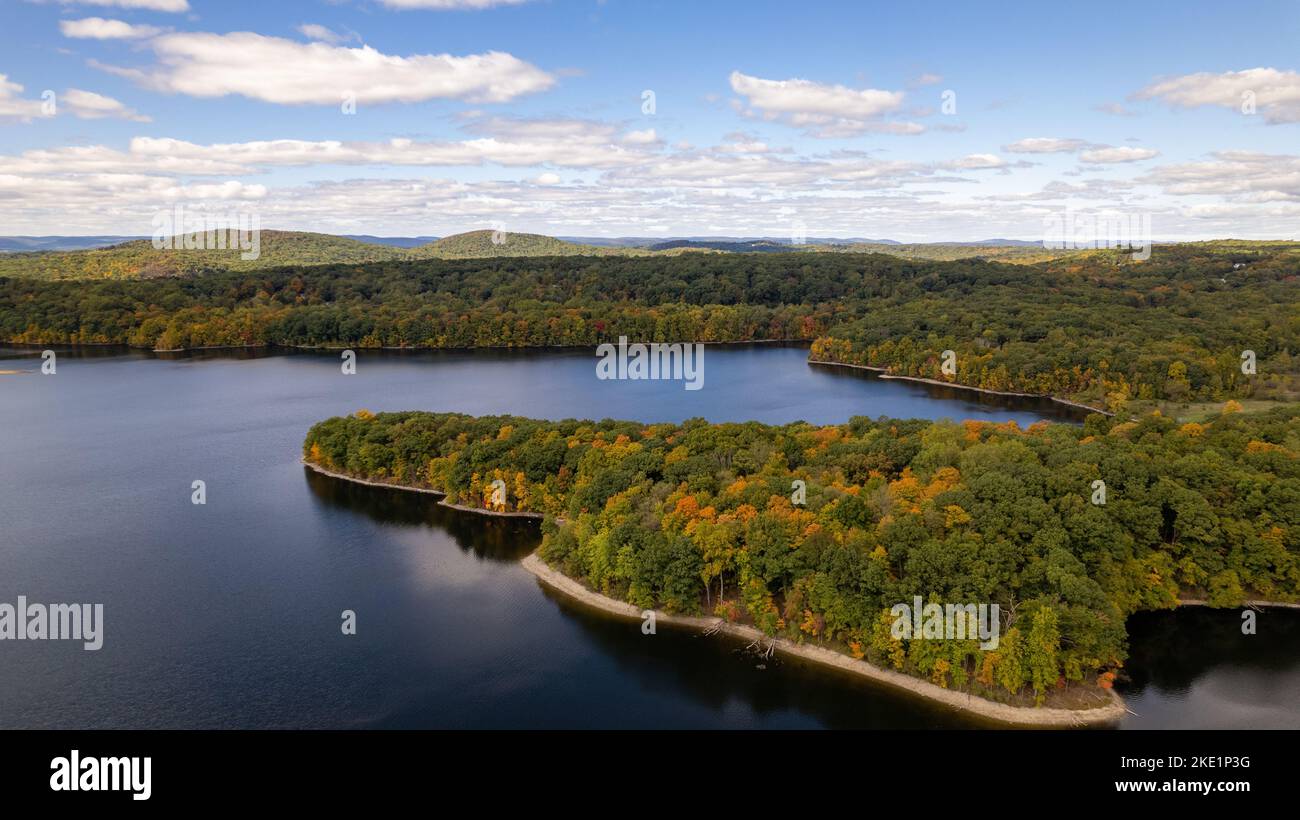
{"type": "Point", "coordinates": [141, 260]}
{"type": "Point", "coordinates": [487, 244]}
{"type": "Point", "coordinates": [1014, 254]}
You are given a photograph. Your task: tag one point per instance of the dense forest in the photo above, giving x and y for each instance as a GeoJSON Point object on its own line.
{"type": "Point", "coordinates": [1094, 327]}
{"type": "Point", "coordinates": [700, 517]}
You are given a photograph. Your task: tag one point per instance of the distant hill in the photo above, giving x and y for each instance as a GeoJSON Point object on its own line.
{"type": "Point", "coordinates": [139, 259]}
{"type": "Point", "coordinates": [1014, 243]}
{"type": "Point", "coordinates": [739, 246]}
{"type": "Point", "coordinates": [19, 244]}
{"type": "Point", "coordinates": [483, 244]}
{"type": "Point", "coordinates": [716, 242]}
{"type": "Point", "coordinates": [1026, 252]}
{"type": "Point", "coordinates": [392, 241]}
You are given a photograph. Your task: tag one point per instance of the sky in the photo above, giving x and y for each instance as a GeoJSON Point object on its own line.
{"type": "Point", "coordinates": [913, 121]}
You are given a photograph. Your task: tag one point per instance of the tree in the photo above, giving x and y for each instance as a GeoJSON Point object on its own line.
{"type": "Point", "coordinates": [1043, 643]}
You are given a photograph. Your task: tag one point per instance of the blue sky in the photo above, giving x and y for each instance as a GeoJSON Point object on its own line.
{"type": "Point", "coordinates": [769, 118]}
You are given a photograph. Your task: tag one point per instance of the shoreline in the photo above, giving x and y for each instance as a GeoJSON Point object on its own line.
{"type": "Point", "coordinates": [1021, 716]}
{"type": "Point", "coordinates": [272, 346]}
{"type": "Point", "coordinates": [963, 702]}
{"type": "Point", "coordinates": [973, 704]}
{"type": "Point", "coordinates": [442, 501]}
{"type": "Point", "coordinates": [885, 374]}
{"type": "Point", "coordinates": [1244, 604]}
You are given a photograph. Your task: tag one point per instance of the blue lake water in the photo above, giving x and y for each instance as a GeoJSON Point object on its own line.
{"type": "Point", "coordinates": [227, 614]}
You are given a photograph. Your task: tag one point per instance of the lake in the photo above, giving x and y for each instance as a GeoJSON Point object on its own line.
{"type": "Point", "coordinates": [228, 614]}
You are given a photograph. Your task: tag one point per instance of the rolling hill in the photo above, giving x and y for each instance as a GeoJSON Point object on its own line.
{"type": "Point", "coordinates": [486, 244]}
{"type": "Point", "coordinates": [138, 259]}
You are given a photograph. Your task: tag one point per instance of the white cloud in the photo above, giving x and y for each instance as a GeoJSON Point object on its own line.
{"type": "Point", "coordinates": [14, 107]}
{"type": "Point", "coordinates": [808, 98]}
{"type": "Point", "coordinates": [1115, 109]}
{"type": "Point", "coordinates": [976, 162]}
{"type": "Point", "coordinates": [1236, 175]}
{"type": "Point", "coordinates": [644, 137]}
{"type": "Point", "coordinates": [1106, 154]}
{"type": "Point", "coordinates": [1275, 93]}
{"type": "Point", "coordinates": [97, 28]}
{"type": "Point", "coordinates": [323, 34]}
{"type": "Point", "coordinates": [619, 203]}
{"type": "Point", "coordinates": [449, 5]}
{"type": "Point", "coordinates": [1044, 145]}
{"type": "Point", "coordinates": [273, 69]}
{"type": "Point", "coordinates": [88, 105]}
{"type": "Point", "coordinates": [510, 143]}
{"type": "Point", "coordinates": [150, 5]}
{"type": "Point", "coordinates": [825, 110]}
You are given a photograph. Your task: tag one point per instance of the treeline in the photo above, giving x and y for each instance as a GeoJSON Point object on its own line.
{"type": "Point", "coordinates": [700, 517]}
{"type": "Point", "coordinates": [1173, 328]}
{"type": "Point", "coordinates": [461, 303]}
{"type": "Point", "coordinates": [1092, 327]}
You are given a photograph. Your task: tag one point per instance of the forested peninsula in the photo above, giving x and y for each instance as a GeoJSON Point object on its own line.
{"type": "Point", "coordinates": [812, 533]}
{"type": "Point", "coordinates": [1092, 327]}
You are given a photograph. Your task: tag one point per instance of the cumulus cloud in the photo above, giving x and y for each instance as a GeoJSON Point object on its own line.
{"type": "Point", "coordinates": [976, 162]}
{"type": "Point", "coordinates": [15, 108]}
{"type": "Point", "coordinates": [1091, 153]}
{"type": "Point", "coordinates": [509, 143]}
{"type": "Point", "coordinates": [1107, 154]}
{"type": "Point", "coordinates": [449, 5]}
{"type": "Point", "coordinates": [1044, 145]}
{"type": "Point", "coordinates": [148, 5]}
{"type": "Point", "coordinates": [1272, 92]}
{"type": "Point", "coordinates": [1244, 176]}
{"type": "Point", "coordinates": [97, 28]}
{"type": "Point", "coordinates": [824, 110]}
{"type": "Point", "coordinates": [86, 105]}
{"type": "Point", "coordinates": [324, 34]}
{"type": "Point", "coordinates": [846, 196]}
{"type": "Point", "coordinates": [277, 70]}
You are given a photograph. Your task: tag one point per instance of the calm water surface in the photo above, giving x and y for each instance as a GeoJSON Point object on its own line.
{"type": "Point", "coordinates": [227, 615]}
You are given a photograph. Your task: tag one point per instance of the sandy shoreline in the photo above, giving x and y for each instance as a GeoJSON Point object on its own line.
{"type": "Point", "coordinates": [885, 374]}
{"type": "Point", "coordinates": [973, 704]}
{"type": "Point", "coordinates": [1001, 712]}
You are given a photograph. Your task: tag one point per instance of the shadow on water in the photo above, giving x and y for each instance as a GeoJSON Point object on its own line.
{"type": "Point", "coordinates": [486, 537]}
{"type": "Point", "coordinates": [718, 672]}
{"type": "Point", "coordinates": [1174, 657]}
{"type": "Point", "coordinates": [714, 672]}
{"type": "Point", "coordinates": [1196, 668]}
{"type": "Point", "coordinates": [1171, 650]}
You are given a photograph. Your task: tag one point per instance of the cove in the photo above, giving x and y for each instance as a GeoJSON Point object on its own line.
{"type": "Point", "coordinates": [227, 614]}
